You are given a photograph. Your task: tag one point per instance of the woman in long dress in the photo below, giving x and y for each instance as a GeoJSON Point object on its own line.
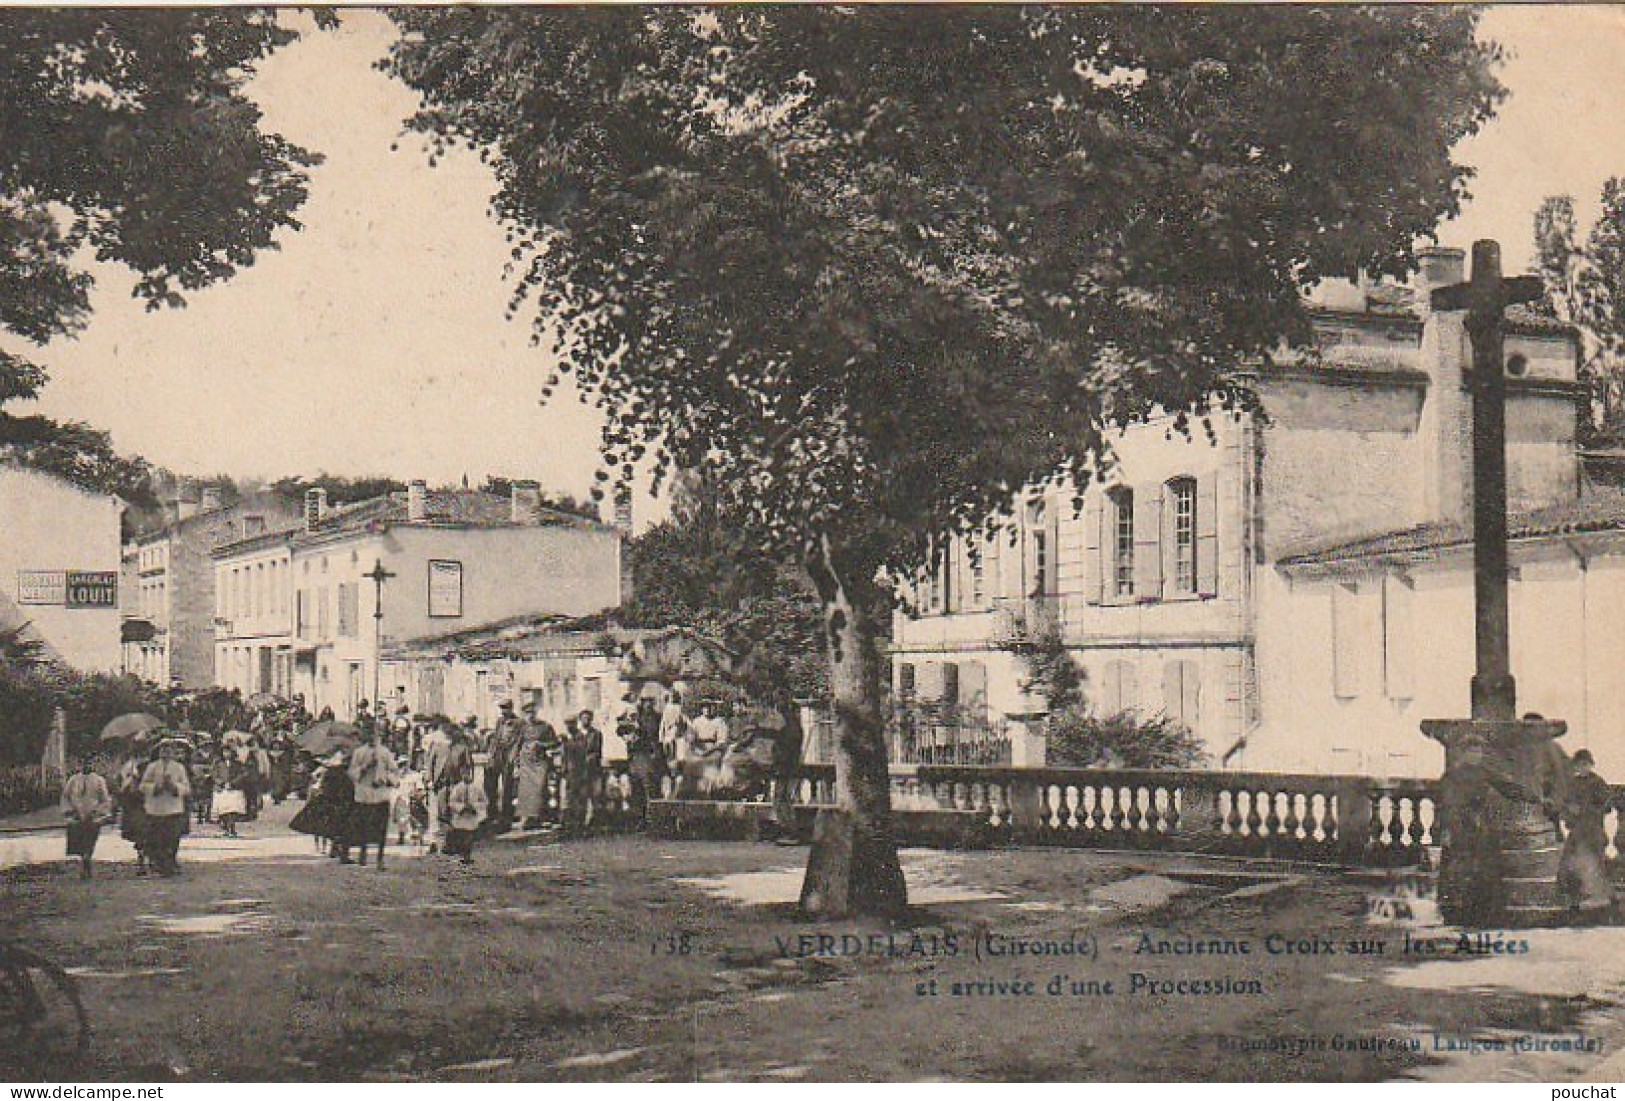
{"type": "Point", "coordinates": [1582, 874]}
{"type": "Point", "coordinates": [533, 776]}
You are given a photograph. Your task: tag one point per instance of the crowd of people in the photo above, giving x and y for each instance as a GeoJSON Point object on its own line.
{"type": "Point", "coordinates": [443, 783]}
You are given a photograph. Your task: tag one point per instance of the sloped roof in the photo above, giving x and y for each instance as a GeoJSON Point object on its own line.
{"type": "Point", "coordinates": [529, 635]}
{"type": "Point", "coordinates": [1603, 511]}
{"type": "Point", "coordinates": [447, 508]}
{"type": "Point", "coordinates": [1384, 299]}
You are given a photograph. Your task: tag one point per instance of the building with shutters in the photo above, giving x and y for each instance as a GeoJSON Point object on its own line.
{"type": "Point", "coordinates": [168, 581]}
{"type": "Point", "coordinates": [1180, 585]}
{"type": "Point", "coordinates": [297, 609]}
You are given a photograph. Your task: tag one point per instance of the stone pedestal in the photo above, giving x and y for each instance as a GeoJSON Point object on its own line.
{"type": "Point", "coordinates": [1501, 846]}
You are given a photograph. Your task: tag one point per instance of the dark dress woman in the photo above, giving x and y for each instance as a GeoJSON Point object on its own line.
{"type": "Point", "coordinates": [326, 815]}
{"type": "Point", "coordinates": [1582, 873]}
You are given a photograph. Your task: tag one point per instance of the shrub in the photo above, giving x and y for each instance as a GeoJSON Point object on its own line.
{"type": "Point", "coordinates": [1079, 738]}
{"type": "Point", "coordinates": [22, 789]}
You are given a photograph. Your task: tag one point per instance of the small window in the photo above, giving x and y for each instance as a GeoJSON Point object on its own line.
{"type": "Point", "coordinates": [253, 525]}
{"type": "Point", "coordinates": [1182, 497]}
{"type": "Point", "coordinates": [1122, 501]}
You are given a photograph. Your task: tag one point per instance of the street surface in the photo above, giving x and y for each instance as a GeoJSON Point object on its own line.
{"type": "Point", "coordinates": [631, 959]}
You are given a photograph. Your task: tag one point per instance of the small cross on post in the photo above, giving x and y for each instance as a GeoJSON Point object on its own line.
{"type": "Point", "coordinates": [377, 575]}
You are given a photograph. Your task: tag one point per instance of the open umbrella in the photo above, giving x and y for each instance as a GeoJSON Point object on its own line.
{"type": "Point", "coordinates": [234, 737]}
{"type": "Point", "coordinates": [327, 736]}
{"type": "Point", "coordinates": [261, 699]}
{"type": "Point", "coordinates": [131, 725]}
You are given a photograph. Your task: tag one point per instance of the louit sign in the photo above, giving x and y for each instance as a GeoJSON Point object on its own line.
{"type": "Point", "coordinates": [97, 589]}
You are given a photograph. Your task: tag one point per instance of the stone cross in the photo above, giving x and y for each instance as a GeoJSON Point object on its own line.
{"type": "Point", "coordinates": [1485, 299]}
{"type": "Point", "coordinates": [1502, 776]}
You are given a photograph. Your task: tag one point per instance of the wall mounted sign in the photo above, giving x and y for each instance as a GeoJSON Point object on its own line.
{"type": "Point", "coordinates": [92, 589]}
{"type": "Point", "coordinates": [42, 587]}
{"type": "Point", "coordinates": [445, 588]}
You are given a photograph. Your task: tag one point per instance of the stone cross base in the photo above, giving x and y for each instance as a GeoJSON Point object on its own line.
{"type": "Point", "coordinates": [1499, 797]}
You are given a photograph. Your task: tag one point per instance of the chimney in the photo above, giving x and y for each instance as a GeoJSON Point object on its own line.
{"type": "Point", "coordinates": [623, 512]}
{"type": "Point", "coordinates": [212, 499]}
{"type": "Point", "coordinates": [315, 507]}
{"type": "Point", "coordinates": [623, 528]}
{"type": "Point", "coordinates": [525, 502]}
{"type": "Point", "coordinates": [1441, 267]}
{"type": "Point", "coordinates": [417, 501]}
{"type": "Point", "coordinates": [185, 500]}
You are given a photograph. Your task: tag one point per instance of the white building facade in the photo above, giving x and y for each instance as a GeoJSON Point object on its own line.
{"type": "Point", "coordinates": [303, 608]}
{"type": "Point", "coordinates": [61, 559]}
{"type": "Point", "coordinates": [1171, 587]}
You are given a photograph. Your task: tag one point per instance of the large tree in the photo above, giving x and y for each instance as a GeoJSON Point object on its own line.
{"type": "Point", "coordinates": [126, 137]}
{"type": "Point", "coordinates": [872, 269]}
{"type": "Point", "coordinates": [1585, 286]}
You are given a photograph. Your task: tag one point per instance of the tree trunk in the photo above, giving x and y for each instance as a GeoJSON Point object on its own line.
{"type": "Point", "coordinates": [855, 870]}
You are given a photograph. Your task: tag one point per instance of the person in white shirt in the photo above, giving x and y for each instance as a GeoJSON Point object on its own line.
{"type": "Point", "coordinates": [164, 790]}
{"type": "Point", "coordinates": [374, 772]}
{"type": "Point", "coordinates": [673, 725]}
{"type": "Point", "coordinates": [709, 729]}
{"type": "Point", "coordinates": [436, 749]}
{"type": "Point", "coordinates": [87, 803]}
{"type": "Point", "coordinates": [466, 807]}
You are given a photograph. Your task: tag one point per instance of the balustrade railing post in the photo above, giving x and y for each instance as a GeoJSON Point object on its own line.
{"type": "Point", "coordinates": [1353, 821]}
{"type": "Point", "coordinates": [1026, 809]}
{"type": "Point", "coordinates": [1200, 826]}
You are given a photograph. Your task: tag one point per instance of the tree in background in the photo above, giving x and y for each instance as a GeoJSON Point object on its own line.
{"type": "Point", "coordinates": [870, 270]}
{"type": "Point", "coordinates": [340, 490]}
{"type": "Point", "coordinates": [126, 136]}
{"type": "Point", "coordinates": [558, 502]}
{"type": "Point", "coordinates": [1585, 286]}
{"type": "Point", "coordinates": [699, 571]}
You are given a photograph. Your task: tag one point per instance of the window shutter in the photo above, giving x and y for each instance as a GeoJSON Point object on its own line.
{"type": "Point", "coordinates": [1207, 536]}
{"type": "Point", "coordinates": [950, 684]}
{"type": "Point", "coordinates": [1094, 570]}
{"type": "Point", "coordinates": [1190, 685]}
{"type": "Point", "coordinates": [1111, 689]}
{"type": "Point", "coordinates": [1130, 690]}
{"type": "Point", "coordinates": [1147, 542]}
{"type": "Point", "coordinates": [1173, 690]}
{"type": "Point", "coordinates": [1397, 659]}
{"type": "Point", "coordinates": [973, 687]}
{"type": "Point", "coordinates": [1052, 525]}
{"type": "Point", "coordinates": [1168, 541]}
{"type": "Point", "coordinates": [1345, 641]}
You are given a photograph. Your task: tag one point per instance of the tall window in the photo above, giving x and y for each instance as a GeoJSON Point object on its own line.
{"type": "Point", "coordinates": [1039, 534]}
{"type": "Point", "coordinates": [978, 585]}
{"type": "Point", "coordinates": [1182, 500]}
{"type": "Point", "coordinates": [1123, 541]}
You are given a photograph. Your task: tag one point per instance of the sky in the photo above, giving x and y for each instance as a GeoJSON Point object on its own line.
{"type": "Point", "coordinates": [374, 341]}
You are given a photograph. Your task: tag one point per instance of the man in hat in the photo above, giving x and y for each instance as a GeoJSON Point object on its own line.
{"type": "Point", "coordinates": [86, 802]}
{"type": "Point", "coordinates": [437, 777]}
{"type": "Point", "coordinates": [1582, 874]}
{"type": "Point", "coordinates": [375, 775]}
{"type": "Point", "coordinates": [499, 770]}
{"type": "Point", "coordinates": [164, 790]}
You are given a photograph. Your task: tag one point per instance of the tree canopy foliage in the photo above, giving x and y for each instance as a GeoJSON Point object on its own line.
{"type": "Point", "coordinates": [1585, 286]}
{"type": "Point", "coordinates": [697, 570]}
{"type": "Point", "coordinates": [126, 137]}
{"type": "Point", "coordinates": [878, 267]}
{"type": "Point", "coordinates": [872, 269]}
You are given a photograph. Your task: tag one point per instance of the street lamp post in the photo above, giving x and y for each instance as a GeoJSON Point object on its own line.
{"type": "Point", "coordinates": [378, 576]}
